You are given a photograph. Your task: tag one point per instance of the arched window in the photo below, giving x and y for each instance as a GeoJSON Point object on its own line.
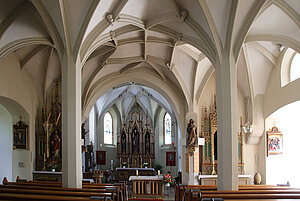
{"type": "Point", "coordinates": [295, 68]}
{"type": "Point", "coordinates": [108, 128]}
{"type": "Point", "coordinates": [167, 129]}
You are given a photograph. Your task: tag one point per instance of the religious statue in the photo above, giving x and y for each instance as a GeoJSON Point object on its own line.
{"type": "Point", "coordinates": [55, 144]}
{"type": "Point", "coordinates": [191, 133]}
{"type": "Point", "coordinates": [135, 141]}
{"type": "Point", "coordinates": [123, 142]}
{"type": "Point", "coordinates": [147, 143]}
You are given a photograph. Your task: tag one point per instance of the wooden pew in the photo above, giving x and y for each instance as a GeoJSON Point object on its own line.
{"type": "Point", "coordinates": [116, 190]}
{"type": "Point", "coordinates": [249, 192]}
{"type": "Point", "coordinates": [114, 193]}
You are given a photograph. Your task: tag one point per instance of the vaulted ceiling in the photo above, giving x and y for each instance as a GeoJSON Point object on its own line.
{"type": "Point", "coordinates": [175, 41]}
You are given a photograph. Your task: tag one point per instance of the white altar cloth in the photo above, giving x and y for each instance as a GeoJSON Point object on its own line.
{"type": "Point", "coordinates": [146, 178]}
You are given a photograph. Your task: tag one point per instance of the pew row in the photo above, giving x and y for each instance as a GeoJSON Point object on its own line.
{"type": "Point", "coordinates": [106, 191]}
{"type": "Point", "coordinates": [194, 192]}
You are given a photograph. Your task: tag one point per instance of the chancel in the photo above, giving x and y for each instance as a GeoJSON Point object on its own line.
{"type": "Point", "coordinates": [140, 95]}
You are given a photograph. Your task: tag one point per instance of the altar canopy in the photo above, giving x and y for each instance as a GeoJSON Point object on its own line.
{"type": "Point", "coordinates": [136, 140]}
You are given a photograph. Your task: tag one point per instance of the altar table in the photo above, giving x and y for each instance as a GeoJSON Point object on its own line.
{"type": "Point", "coordinates": [125, 173]}
{"type": "Point", "coordinates": [147, 186]}
{"type": "Point", "coordinates": [47, 176]}
{"type": "Point", "coordinates": [213, 179]}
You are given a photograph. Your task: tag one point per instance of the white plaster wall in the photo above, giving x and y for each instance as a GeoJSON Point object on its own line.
{"type": "Point", "coordinates": [15, 84]}
{"type": "Point", "coordinates": [6, 142]}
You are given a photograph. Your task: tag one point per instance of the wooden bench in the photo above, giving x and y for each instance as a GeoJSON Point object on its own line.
{"type": "Point", "coordinates": [246, 192]}
{"type": "Point", "coordinates": [113, 192]}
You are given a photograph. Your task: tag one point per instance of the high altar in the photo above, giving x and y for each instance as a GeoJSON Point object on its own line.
{"type": "Point", "coordinates": [135, 143]}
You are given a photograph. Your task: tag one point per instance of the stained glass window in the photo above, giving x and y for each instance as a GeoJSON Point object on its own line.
{"type": "Point", "coordinates": [167, 129]}
{"type": "Point", "coordinates": [108, 136]}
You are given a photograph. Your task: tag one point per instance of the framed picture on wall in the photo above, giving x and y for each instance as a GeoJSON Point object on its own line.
{"type": "Point", "coordinates": [274, 142]}
{"type": "Point", "coordinates": [170, 158]}
{"type": "Point", "coordinates": [20, 138]}
{"type": "Point", "coordinates": [100, 157]}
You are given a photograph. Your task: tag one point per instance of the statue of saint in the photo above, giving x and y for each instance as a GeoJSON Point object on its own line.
{"type": "Point", "coordinates": [123, 143]}
{"type": "Point", "coordinates": [191, 133]}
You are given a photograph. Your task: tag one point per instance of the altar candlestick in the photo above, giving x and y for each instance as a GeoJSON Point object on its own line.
{"type": "Point", "coordinates": [158, 172]}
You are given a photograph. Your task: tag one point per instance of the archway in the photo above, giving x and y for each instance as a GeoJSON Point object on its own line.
{"type": "Point", "coordinates": [17, 161]}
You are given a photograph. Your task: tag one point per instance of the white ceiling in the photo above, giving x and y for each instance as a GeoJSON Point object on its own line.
{"type": "Point", "coordinates": [175, 41]}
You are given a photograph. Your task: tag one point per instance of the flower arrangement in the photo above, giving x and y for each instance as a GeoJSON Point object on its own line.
{"type": "Point", "coordinates": [52, 164]}
{"type": "Point", "coordinates": [168, 178]}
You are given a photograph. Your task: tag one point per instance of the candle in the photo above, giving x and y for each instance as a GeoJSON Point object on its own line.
{"type": "Point", "coordinates": [44, 156]}
{"type": "Point", "coordinates": [158, 172]}
{"type": "Point", "coordinates": [137, 172]}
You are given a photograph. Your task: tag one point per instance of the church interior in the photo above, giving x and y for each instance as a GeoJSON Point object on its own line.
{"type": "Point", "coordinates": [110, 91]}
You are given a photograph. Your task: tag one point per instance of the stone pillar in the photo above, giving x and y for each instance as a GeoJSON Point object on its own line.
{"type": "Point", "coordinates": [71, 124]}
{"type": "Point", "coordinates": [191, 156]}
{"type": "Point", "coordinates": [226, 83]}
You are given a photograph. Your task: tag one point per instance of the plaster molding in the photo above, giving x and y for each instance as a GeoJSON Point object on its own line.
{"type": "Point", "coordinates": [157, 68]}
{"type": "Point", "coordinates": [203, 37]}
{"type": "Point", "coordinates": [287, 41]}
{"type": "Point", "coordinates": [197, 57]}
{"type": "Point", "coordinates": [183, 86]}
{"type": "Point", "coordinates": [167, 89]}
{"type": "Point", "coordinates": [65, 23]}
{"type": "Point", "coordinates": [12, 17]}
{"type": "Point", "coordinates": [46, 72]}
{"type": "Point", "coordinates": [288, 10]}
{"type": "Point", "coordinates": [160, 19]}
{"type": "Point", "coordinates": [100, 52]}
{"type": "Point", "coordinates": [128, 67]}
{"type": "Point", "coordinates": [91, 38]}
{"type": "Point", "coordinates": [205, 79]}
{"type": "Point", "coordinates": [212, 25]}
{"type": "Point", "coordinates": [127, 41]}
{"type": "Point", "coordinates": [89, 14]}
{"type": "Point", "coordinates": [264, 51]}
{"type": "Point", "coordinates": [16, 44]}
{"type": "Point", "coordinates": [131, 20]}
{"type": "Point", "coordinates": [94, 74]}
{"type": "Point", "coordinates": [249, 19]}
{"type": "Point", "coordinates": [249, 77]}
{"type": "Point", "coordinates": [176, 7]}
{"type": "Point", "coordinates": [230, 25]}
{"type": "Point", "coordinates": [31, 54]}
